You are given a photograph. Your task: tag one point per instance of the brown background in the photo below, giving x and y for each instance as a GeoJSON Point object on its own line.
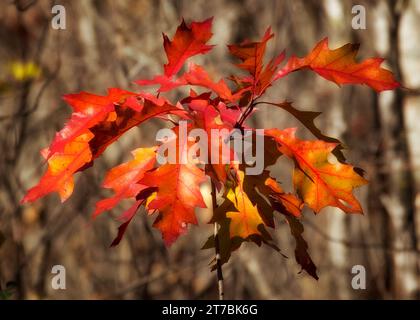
{"type": "Point", "coordinates": [111, 43]}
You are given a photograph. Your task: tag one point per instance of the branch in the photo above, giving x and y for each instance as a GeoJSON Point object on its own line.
{"type": "Point", "coordinates": [217, 246]}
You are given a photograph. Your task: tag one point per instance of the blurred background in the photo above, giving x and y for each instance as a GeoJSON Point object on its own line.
{"type": "Point", "coordinates": [111, 43]}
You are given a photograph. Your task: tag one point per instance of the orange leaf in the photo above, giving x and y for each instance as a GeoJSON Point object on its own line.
{"type": "Point", "coordinates": [177, 195]}
{"type": "Point", "coordinates": [195, 76]}
{"type": "Point", "coordinates": [252, 55]}
{"type": "Point", "coordinates": [95, 140]}
{"type": "Point", "coordinates": [319, 182]}
{"type": "Point", "coordinates": [124, 178]}
{"type": "Point", "coordinates": [61, 167]}
{"type": "Point", "coordinates": [340, 66]}
{"type": "Point", "coordinates": [246, 220]}
{"type": "Point", "coordinates": [199, 77]}
{"type": "Point", "coordinates": [208, 118]}
{"type": "Point", "coordinates": [288, 202]}
{"type": "Point", "coordinates": [307, 118]}
{"type": "Point", "coordinates": [107, 132]}
{"type": "Point", "coordinates": [90, 109]}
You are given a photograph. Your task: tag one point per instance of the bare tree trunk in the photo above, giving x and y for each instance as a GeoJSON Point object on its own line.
{"type": "Point", "coordinates": [397, 196]}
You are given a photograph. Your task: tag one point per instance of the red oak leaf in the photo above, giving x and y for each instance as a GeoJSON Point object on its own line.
{"type": "Point", "coordinates": [208, 118]}
{"type": "Point", "coordinates": [252, 55]}
{"type": "Point", "coordinates": [178, 194]}
{"type": "Point", "coordinates": [340, 66]}
{"type": "Point", "coordinates": [90, 109]}
{"type": "Point", "coordinates": [126, 118]}
{"type": "Point", "coordinates": [195, 76]}
{"type": "Point", "coordinates": [61, 167]}
{"type": "Point", "coordinates": [245, 220]}
{"type": "Point", "coordinates": [319, 182]}
{"type": "Point", "coordinates": [128, 217]}
{"type": "Point", "coordinates": [124, 178]}
{"type": "Point", "coordinates": [79, 152]}
{"type": "Point", "coordinates": [187, 42]}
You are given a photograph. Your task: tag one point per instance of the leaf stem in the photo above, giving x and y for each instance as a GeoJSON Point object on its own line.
{"type": "Point", "coordinates": [219, 271]}
{"type": "Point", "coordinates": [245, 114]}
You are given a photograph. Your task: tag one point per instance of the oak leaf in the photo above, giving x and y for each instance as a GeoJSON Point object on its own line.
{"type": "Point", "coordinates": [178, 194]}
{"type": "Point", "coordinates": [340, 66]}
{"type": "Point", "coordinates": [124, 179]}
{"type": "Point", "coordinates": [319, 182]}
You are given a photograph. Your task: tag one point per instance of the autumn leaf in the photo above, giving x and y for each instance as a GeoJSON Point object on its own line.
{"type": "Point", "coordinates": [319, 182]}
{"type": "Point", "coordinates": [61, 167]}
{"type": "Point", "coordinates": [178, 194]}
{"type": "Point", "coordinates": [226, 243]}
{"type": "Point", "coordinates": [124, 178]}
{"type": "Point", "coordinates": [283, 202]}
{"type": "Point", "coordinates": [89, 110]}
{"type": "Point", "coordinates": [208, 118]}
{"type": "Point", "coordinates": [245, 220]}
{"type": "Point", "coordinates": [127, 216]}
{"type": "Point", "coordinates": [187, 42]}
{"type": "Point", "coordinates": [240, 219]}
{"type": "Point", "coordinates": [340, 66]}
{"type": "Point", "coordinates": [126, 117]}
{"type": "Point", "coordinates": [307, 118]}
{"type": "Point", "coordinates": [301, 250]}
{"type": "Point", "coordinates": [195, 76]}
{"type": "Point", "coordinates": [76, 147]}
{"type": "Point", "coordinates": [290, 207]}
{"type": "Point", "coordinates": [198, 76]}
{"type": "Point", "coordinates": [252, 54]}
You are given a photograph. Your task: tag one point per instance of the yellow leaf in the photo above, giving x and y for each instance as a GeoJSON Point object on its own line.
{"type": "Point", "coordinates": [22, 71]}
{"type": "Point", "coordinates": [246, 220]}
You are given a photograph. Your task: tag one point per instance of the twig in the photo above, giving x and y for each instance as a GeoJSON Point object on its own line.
{"type": "Point", "coordinates": [217, 246]}
{"type": "Point", "coordinates": [245, 114]}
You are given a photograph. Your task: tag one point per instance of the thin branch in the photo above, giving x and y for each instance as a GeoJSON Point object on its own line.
{"type": "Point", "coordinates": [245, 114]}
{"type": "Point", "coordinates": [217, 246]}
